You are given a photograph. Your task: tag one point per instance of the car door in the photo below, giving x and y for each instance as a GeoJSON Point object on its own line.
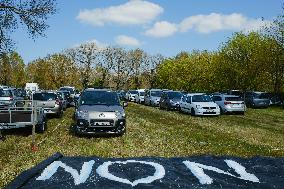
{"type": "Point", "coordinates": [182, 103]}
{"type": "Point", "coordinates": [188, 104]}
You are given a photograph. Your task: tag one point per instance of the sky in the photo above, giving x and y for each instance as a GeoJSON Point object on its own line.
{"type": "Point", "coordinates": [164, 27]}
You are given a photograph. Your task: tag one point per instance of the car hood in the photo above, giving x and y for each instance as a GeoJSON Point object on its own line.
{"type": "Point", "coordinates": [101, 108]}
{"type": "Point", "coordinates": [205, 104]}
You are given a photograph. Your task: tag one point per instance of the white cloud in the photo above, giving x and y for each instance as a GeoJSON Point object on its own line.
{"type": "Point", "coordinates": [131, 13]}
{"type": "Point", "coordinates": [217, 22]}
{"type": "Point", "coordinates": [124, 40]}
{"type": "Point", "coordinates": [99, 44]}
{"type": "Point", "coordinates": [162, 29]}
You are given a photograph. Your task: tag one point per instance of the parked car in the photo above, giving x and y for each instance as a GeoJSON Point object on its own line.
{"type": "Point", "coordinates": [122, 95]}
{"type": "Point", "coordinates": [63, 99]}
{"type": "Point", "coordinates": [256, 99]}
{"type": "Point", "coordinates": [130, 95]}
{"type": "Point", "coordinates": [230, 103]}
{"type": "Point", "coordinates": [8, 98]}
{"type": "Point", "coordinates": [69, 100]}
{"type": "Point", "coordinates": [139, 97]}
{"type": "Point", "coordinates": [170, 100]}
{"type": "Point", "coordinates": [152, 97]}
{"type": "Point", "coordinates": [99, 112]}
{"type": "Point", "coordinates": [276, 99]}
{"type": "Point", "coordinates": [49, 101]}
{"type": "Point", "coordinates": [72, 93]}
{"type": "Point", "coordinates": [198, 104]}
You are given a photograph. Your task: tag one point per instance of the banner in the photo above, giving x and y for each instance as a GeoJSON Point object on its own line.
{"type": "Point", "coordinates": [210, 172]}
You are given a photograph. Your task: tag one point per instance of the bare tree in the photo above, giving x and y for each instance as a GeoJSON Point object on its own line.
{"type": "Point", "coordinates": [86, 59]}
{"type": "Point", "coordinates": [30, 13]}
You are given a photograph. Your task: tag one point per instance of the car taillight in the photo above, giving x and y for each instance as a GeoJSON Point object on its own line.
{"type": "Point", "coordinates": [226, 102]}
{"type": "Point", "coordinates": [10, 98]}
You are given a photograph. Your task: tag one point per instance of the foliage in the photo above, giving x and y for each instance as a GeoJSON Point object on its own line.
{"type": "Point", "coordinates": [30, 13]}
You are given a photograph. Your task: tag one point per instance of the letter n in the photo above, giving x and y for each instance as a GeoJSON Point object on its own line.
{"type": "Point", "coordinates": [78, 178]}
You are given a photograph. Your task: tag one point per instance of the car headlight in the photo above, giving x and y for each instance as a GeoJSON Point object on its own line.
{"type": "Point", "coordinates": [198, 107]}
{"type": "Point", "coordinates": [83, 114]}
{"type": "Point", "coordinates": [119, 114]}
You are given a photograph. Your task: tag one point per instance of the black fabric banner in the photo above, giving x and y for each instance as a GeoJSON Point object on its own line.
{"type": "Point", "coordinates": [200, 172]}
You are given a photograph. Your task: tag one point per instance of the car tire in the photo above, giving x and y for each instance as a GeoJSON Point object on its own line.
{"type": "Point", "coordinates": [42, 127]}
{"type": "Point", "coordinates": [60, 114]}
{"type": "Point", "coordinates": [221, 110]}
{"type": "Point", "coordinates": [192, 112]}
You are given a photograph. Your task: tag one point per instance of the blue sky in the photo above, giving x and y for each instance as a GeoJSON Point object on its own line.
{"type": "Point", "coordinates": [156, 26]}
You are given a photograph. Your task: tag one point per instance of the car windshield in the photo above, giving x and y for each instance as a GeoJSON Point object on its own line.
{"type": "Point", "coordinates": [174, 95]}
{"type": "Point", "coordinates": [99, 98]}
{"type": "Point", "coordinates": [72, 91]}
{"type": "Point", "coordinates": [44, 96]}
{"type": "Point", "coordinates": [133, 92]}
{"type": "Point", "coordinates": [5, 93]}
{"type": "Point", "coordinates": [233, 98]}
{"type": "Point", "coordinates": [142, 93]}
{"type": "Point", "coordinates": [156, 93]}
{"type": "Point", "coordinates": [261, 95]}
{"type": "Point", "coordinates": [201, 98]}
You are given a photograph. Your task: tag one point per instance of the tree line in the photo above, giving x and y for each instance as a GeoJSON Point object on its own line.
{"type": "Point", "coordinates": [247, 61]}
{"type": "Point", "coordinates": [83, 66]}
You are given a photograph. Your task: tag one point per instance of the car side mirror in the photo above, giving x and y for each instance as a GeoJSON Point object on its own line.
{"type": "Point", "coordinates": [125, 104]}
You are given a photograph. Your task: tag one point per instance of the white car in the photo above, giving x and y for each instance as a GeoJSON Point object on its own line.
{"type": "Point", "coordinates": [139, 97]}
{"type": "Point", "coordinates": [130, 95]}
{"type": "Point", "coordinates": [198, 104]}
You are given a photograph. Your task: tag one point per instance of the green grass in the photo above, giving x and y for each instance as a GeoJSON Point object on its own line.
{"type": "Point", "coordinates": [151, 132]}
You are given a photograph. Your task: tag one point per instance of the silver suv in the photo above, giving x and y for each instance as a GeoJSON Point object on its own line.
{"type": "Point", "coordinates": [99, 112]}
{"type": "Point", "coordinates": [229, 103]}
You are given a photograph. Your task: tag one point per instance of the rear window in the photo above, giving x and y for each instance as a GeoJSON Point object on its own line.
{"type": "Point", "coordinates": [5, 93]}
{"type": "Point", "coordinates": [71, 90]}
{"type": "Point", "coordinates": [233, 99]}
{"type": "Point", "coordinates": [44, 96]}
{"type": "Point", "coordinates": [261, 95]}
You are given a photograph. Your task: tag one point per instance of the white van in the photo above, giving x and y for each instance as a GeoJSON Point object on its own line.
{"type": "Point", "coordinates": [33, 87]}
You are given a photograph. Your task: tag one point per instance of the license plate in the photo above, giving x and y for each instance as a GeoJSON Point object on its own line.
{"type": "Point", "coordinates": [209, 110]}
{"type": "Point", "coordinates": [236, 105]}
{"type": "Point", "coordinates": [105, 123]}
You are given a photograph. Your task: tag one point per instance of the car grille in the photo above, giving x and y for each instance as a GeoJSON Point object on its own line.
{"type": "Point", "coordinates": [101, 123]}
{"type": "Point", "coordinates": [209, 112]}
{"type": "Point", "coordinates": [209, 108]}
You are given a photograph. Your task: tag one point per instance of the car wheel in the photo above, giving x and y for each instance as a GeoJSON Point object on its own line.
{"type": "Point", "coordinates": [221, 110]}
{"type": "Point", "coordinates": [192, 112]}
{"type": "Point", "coordinates": [40, 128]}
{"type": "Point", "coordinates": [60, 114]}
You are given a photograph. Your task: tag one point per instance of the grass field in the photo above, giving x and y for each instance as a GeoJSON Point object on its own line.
{"type": "Point", "coordinates": [151, 132]}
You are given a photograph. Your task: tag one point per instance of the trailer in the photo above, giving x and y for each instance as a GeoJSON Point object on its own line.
{"type": "Point", "coordinates": [23, 116]}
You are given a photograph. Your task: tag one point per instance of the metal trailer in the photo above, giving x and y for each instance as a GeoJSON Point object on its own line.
{"type": "Point", "coordinates": [24, 116]}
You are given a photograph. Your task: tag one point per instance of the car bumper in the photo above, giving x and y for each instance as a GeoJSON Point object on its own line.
{"type": "Point", "coordinates": [118, 127]}
{"type": "Point", "coordinates": [230, 109]}
{"type": "Point", "coordinates": [207, 112]}
{"type": "Point", "coordinates": [51, 110]}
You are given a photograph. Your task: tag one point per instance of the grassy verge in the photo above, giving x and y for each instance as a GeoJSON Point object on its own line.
{"type": "Point", "coordinates": [151, 132]}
